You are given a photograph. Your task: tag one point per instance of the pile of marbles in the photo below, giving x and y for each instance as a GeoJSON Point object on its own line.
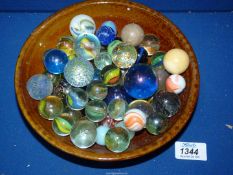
{"type": "Point", "coordinates": [101, 88]}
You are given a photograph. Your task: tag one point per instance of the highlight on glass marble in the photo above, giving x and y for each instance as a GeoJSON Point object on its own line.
{"type": "Point", "coordinates": [104, 87]}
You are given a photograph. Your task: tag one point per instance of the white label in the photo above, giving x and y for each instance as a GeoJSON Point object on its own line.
{"type": "Point", "coordinates": [190, 151]}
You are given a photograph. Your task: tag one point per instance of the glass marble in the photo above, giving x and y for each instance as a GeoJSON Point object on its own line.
{"type": "Point", "coordinates": [110, 24]}
{"type": "Point", "coordinates": [97, 75]}
{"type": "Point", "coordinates": [102, 60]}
{"type": "Point", "coordinates": [117, 92]}
{"type": "Point", "coordinates": [135, 119]}
{"type": "Point", "coordinates": [50, 107]}
{"type": "Point", "coordinates": [108, 121]}
{"type": "Point", "coordinates": [96, 110]}
{"type": "Point", "coordinates": [156, 124]}
{"type": "Point", "coordinates": [66, 44]}
{"type": "Point", "coordinates": [83, 134]}
{"type": "Point", "coordinates": [117, 109]}
{"type": "Point", "coordinates": [111, 75]}
{"type": "Point", "coordinates": [166, 103]}
{"type": "Point", "coordinates": [105, 35]}
{"type": "Point", "coordinates": [79, 72]}
{"type": "Point", "coordinates": [101, 133]}
{"type": "Point", "coordinates": [87, 46]}
{"type": "Point", "coordinates": [122, 124]}
{"type": "Point", "coordinates": [61, 89]}
{"type": "Point", "coordinates": [112, 46]}
{"type": "Point", "coordinates": [82, 24]}
{"type": "Point", "coordinates": [77, 98]}
{"type": "Point", "coordinates": [117, 139]}
{"type": "Point", "coordinates": [55, 61]}
{"type": "Point", "coordinates": [97, 90]}
{"type": "Point", "coordinates": [132, 33]}
{"type": "Point", "coordinates": [39, 86]}
{"type": "Point", "coordinates": [175, 83]}
{"type": "Point", "coordinates": [161, 75]}
{"type": "Point", "coordinates": [151, 43]}
{"type": "Point", "coordinates": [143, 105]}
{"type": "Point", "coordinates": [124, 55]}
{"type": "Point", "coordinates": [63, 124]}
{"type": "Point", "coordinates": [142, 56]}
{"type": "Point", "coordinates": [157, 59]}
{"type": "Point", "coordinates": [140, 82]}
{"type": "Point", "coordinates": [55, 78]}
{"type": "Point", "coordinates": [176, 61]}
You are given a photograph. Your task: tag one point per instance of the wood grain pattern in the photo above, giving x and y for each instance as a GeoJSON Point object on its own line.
{"type": "Point", "coordinates": [46, 35]}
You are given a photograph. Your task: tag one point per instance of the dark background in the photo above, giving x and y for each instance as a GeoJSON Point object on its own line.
{"type": "Point", "coordinates": [208, 25]}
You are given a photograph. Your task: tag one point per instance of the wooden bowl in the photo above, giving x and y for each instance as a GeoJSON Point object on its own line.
{"type": "Point", "coordinates": [46, 35]}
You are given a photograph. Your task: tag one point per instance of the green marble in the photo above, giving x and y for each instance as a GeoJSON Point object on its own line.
{"type": "Point", "coordinates": [96, 110]}
{"type": "Point", "coordinates": [117, 139]}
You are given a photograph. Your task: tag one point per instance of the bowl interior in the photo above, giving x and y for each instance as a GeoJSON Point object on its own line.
{"type": "Point", "coordinates": [47, 34]}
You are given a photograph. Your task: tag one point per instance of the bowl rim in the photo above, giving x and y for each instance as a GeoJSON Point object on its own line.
{"type": "Point", "coordinates": [168, 136]}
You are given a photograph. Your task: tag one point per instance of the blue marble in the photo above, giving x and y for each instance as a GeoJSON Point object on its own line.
{"type": "Point", "coordinates": [39, 86]}
{"type": "Point", "coordinates": [117, 92]}
{"type": "Point", "coordinates": [55, 61]}
{"type": "Point", "coordinates": [105, 35]}
{"type": "Point", "coordinates": [142, 56]}
{"type": "Point", "coordinates": [140, 82]}
{"type": "Point", "coordinates": [97, 75]}
{"type": "Point", "coordinates": [110, 24]}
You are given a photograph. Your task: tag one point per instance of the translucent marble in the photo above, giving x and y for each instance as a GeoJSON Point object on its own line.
{"type": "Point", "coordinates": [39, 86]}
{"type": "Point", "coordinates": [156, 124]}
{"type": "Point", "coordinates": [166, 103]}
{"type": "Point", "coordinates": [117, 109]}
{"type": "Point", "coordinates": [108, 121]}
{"type": "Point", "coordinates": [135, 119]}
{"type": "Point", "coordinates": [142, 56]}
{"type": "Point", "coordinates": [161, 75]}
{"type": "Point", "coordinates": [151, 43]}
{"type": "Point", "coordinates": [55, 61]}
{"type": "Point", "coordinates": [111, 75]}
{"type": "Point", "coordinates": [79, 72]}
{"type": "Point", "coordinates": [117, 139]}
{"type": "Point", "coordinates": [157, 59]}
{"type": "Point", "coordinates": [96, 110]}
{"type": "Point", "coordinates": [66, 44]}
{"type": "Point", "coordinates": [63, 124]}
{"type": "Point", "coordinates": [61, 89]}
{"type": "Point", "coordinates": [101, 133]}
{"type": "Point", "coordinates": [117, 92]}
{"type": "Point", "coordinates": [50, 107]}
{"type": "Point", "coordinates": [112, 46]}
{"type": "Point", "coordinates": [124, 55]}
{"type": "Point", "coordinates": [55, 78]}
{"type": "Point", "coordinates": [140, 82]}
{"type": "Point", "coordinates": [77, 98]}
{"type": "Point", "coordinates": [83, 134]}
{"type": "Point", "coordinates": [122, 124]}
{"type": "Point", "coordinates": [82, 24]}
{"type": "Point", "coordinates": [143, 105]}
{"type": "Point", "coordinates": [97, 90]}
{"type": "Point", "coordinates": [132, 33]}
{"type": "Point", "coordinates": [87, 46]}
{"type": "Point", "coordinates": [97, 75]}
{"type": "Point", "coordinates": [102, 60]}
